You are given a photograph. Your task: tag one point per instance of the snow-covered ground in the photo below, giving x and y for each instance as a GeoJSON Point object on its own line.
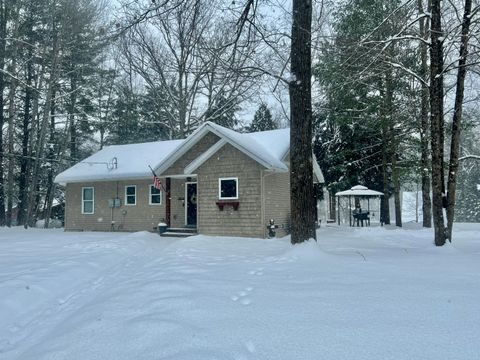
{"type": "Point", "coordinates": [369, 293]}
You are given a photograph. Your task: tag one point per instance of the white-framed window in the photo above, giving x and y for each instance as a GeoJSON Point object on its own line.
{"type": "Point", "coordinates": [131, 195]}
{"type": "Point", "coordinates": [228, 188]}
{"type": "Point", "coordinates": [155, 196]}
{"type": "Point", "coordinates": [88, 200]}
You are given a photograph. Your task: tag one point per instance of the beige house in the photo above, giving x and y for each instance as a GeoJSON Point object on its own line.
{"type": "Point", "coordinates": [216, 181]}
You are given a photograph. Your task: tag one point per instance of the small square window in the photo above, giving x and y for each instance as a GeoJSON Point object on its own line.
{"type": "Point", "coordinates": [131, 195]}
{"type": "Point", "coordinates": [228, 188]}
{"type": "Point", "coordinates": [155, 196]}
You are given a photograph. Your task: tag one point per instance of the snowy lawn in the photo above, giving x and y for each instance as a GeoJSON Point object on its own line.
{"type": "Point", "coordinates": [369, 293]}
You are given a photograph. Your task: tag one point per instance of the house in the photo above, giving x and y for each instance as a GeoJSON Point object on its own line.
{"type": "Point", "coordinates": [217, 181]}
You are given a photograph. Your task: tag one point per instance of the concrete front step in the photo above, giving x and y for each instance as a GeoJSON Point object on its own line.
{"type": "Point", "coordinates": [185, 230]}
{"type": "Point", "coordinates": [180, 232]}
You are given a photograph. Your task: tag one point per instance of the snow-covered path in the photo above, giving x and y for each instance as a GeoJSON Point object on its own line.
{"type": "Point", "coordinates": [360, 294]}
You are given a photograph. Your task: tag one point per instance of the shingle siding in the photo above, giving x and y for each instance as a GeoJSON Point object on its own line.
{"type": "Point", "coordinates": [199, 148]}
{"type": "Point", "coordinates": [177, 206]}
{"type": "Point", "coordinates": [247, 220]}
{"type": "Point", "coordinates": [141, 216]}
{"type": "Point", "coordinates": [261, 196]}
{"type": "Point", "coordinates": [277, 200]}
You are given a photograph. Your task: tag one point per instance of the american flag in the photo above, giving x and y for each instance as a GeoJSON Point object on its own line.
{"type": "Point", "coordinates": [157, 184]}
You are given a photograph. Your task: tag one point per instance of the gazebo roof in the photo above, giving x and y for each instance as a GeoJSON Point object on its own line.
{"type": "Point", "coordinates": [359, 190]}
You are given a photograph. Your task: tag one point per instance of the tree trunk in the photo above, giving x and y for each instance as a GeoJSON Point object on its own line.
{"type": "Point", "coordinates": [396, 190]}
{"type": "Point", "coordinates": [437, 121]}
{"type": "Point", "coordinates": [11, 119]}
{"type": "Point", "coordinates": [24, 161]}
{"type": "Point", "coordinates": [11, 155]}
{"type": "Point", "coordinates": [47, 209]}
{"type": "Point", "coordinates": [457, 118]}
{"type": "Point", "coordinates": [385, 203]}
{"type": "Point", "coordinates": [302, 197]}
{"type": "Point", "coordinates": [424, 143]}
{"type": "Point", "coordinates": [392, 142]}
{"type": "Point", "coordinates": [3, 35]}
{"type": "Point", "coordinates": [71, 115]}
{"type": "Point", "coordinates": [42, 134]}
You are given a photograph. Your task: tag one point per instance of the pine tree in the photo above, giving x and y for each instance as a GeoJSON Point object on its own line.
{"type": "Point", "coordinates": [262, 120]}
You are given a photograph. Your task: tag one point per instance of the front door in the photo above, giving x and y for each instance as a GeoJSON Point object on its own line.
{"type": "Point", "coordinates": [191, 204]}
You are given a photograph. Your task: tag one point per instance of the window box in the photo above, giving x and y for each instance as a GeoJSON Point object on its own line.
{"type": "Point", "coordinates": [233, 203]}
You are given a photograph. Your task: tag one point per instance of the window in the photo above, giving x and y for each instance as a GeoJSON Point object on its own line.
{"type": "Point", "coordinates": [155, 196]}
{"type": "Point", "coordinates": [87, 200]}
{"type": "Point", "coordinates": [131, 195]}
{"type": "Point", "coordinates": [228, 188]}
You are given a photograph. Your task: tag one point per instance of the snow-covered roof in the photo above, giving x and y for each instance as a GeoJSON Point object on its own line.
{"type": "Point", "coordinates": [132, 162]}
{"type": "Point", "coordinates": [359, 190]}
{"type": "Point", "coordinates": [267, 147]}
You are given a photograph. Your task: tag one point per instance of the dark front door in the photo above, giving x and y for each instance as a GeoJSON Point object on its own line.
{"type": "Point", "coordinates": [191, 204]}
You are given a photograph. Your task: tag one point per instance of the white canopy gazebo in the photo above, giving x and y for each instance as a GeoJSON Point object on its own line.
{"type": "Point", "coordinates": [357, 191]}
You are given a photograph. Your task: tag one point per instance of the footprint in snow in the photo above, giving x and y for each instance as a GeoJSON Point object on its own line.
{"type": "Point", "coordinates": [246, 301]}
{"type": "Point", "coordinates": [242, 295]}
{"type": "Point", "coordinates": [258, 272]}
{"type": "Point", "coordinates": [250, 346]}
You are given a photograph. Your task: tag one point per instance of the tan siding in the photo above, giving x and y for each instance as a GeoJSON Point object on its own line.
{"type": "Point", "coordinates": [277, 200]}
{"type": "Point", "coordinates": [177, 208]}
{"type": "Point", "coordinates": [199, 148]}
{"type": "Point", "coordinates": [141, 216]}
{"type": "Point", "coordinates": [247, 220]}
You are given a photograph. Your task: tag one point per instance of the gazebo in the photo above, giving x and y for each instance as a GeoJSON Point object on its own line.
{"type": "Point", "coordinates": [360, 192]}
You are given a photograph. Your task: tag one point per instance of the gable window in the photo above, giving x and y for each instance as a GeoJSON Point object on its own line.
{"type": "Point", "coordinates": [228, 188]}
{"type": "Point", "coordinates": [131, 195]}
{"type": "Point", "coordinates": [88, 200]}
{"type": "Point", "coordinates": [155, 196]}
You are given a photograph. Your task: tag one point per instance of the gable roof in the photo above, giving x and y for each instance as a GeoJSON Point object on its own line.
{"type": "Point", "coordinates": [266, 147]}
{"type": "Point", "coordinates": [132, 162]}
{"type": "Point", "coordinates": [269, 148]}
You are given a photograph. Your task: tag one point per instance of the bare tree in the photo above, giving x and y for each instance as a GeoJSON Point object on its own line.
{"type": "Point", "coordinates": [187, 56]}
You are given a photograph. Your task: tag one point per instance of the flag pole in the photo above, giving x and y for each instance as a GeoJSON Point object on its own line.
{"type": "Point", "coordinates": [155, 176]}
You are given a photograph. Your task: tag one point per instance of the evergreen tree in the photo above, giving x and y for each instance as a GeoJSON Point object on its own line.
{"type": "Point", "coordinates": [222, 112]}
{"type": "Point", "coordinates": [262, 120]}
{"type": "Point", "coordinates": [363, 121]}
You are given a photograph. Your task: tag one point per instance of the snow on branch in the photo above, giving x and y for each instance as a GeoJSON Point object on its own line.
{"type": "Point", "coordinates": [469, 157]}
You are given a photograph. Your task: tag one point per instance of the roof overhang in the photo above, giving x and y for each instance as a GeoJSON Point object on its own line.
{"type": "Point", "coordinates": [197, 135]}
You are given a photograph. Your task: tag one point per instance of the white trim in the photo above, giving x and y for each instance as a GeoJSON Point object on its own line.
{"type": "Point", "coordinates": [195, 164]}
{"type": "Point", "coordinates": [126, 202]}
{"type": "Point", "coordinates": [93, 200]}
{"type": "Point", "coordinates": [150, 196]}
{"type": "Point", "coordinates": [181, 149]}
{"type": "Point", "coordinates": [197, 135]}
{"type": "Point", "coordinates": [246, 151]}
{"type": "Point", "coordinates": [186, 202]}
{"type": "Point", "coordinates": [184, 176]}
{"type": "Point", "coordinates": [220, 188]}
{"type": "Point", "coordinates": [317, 171]}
